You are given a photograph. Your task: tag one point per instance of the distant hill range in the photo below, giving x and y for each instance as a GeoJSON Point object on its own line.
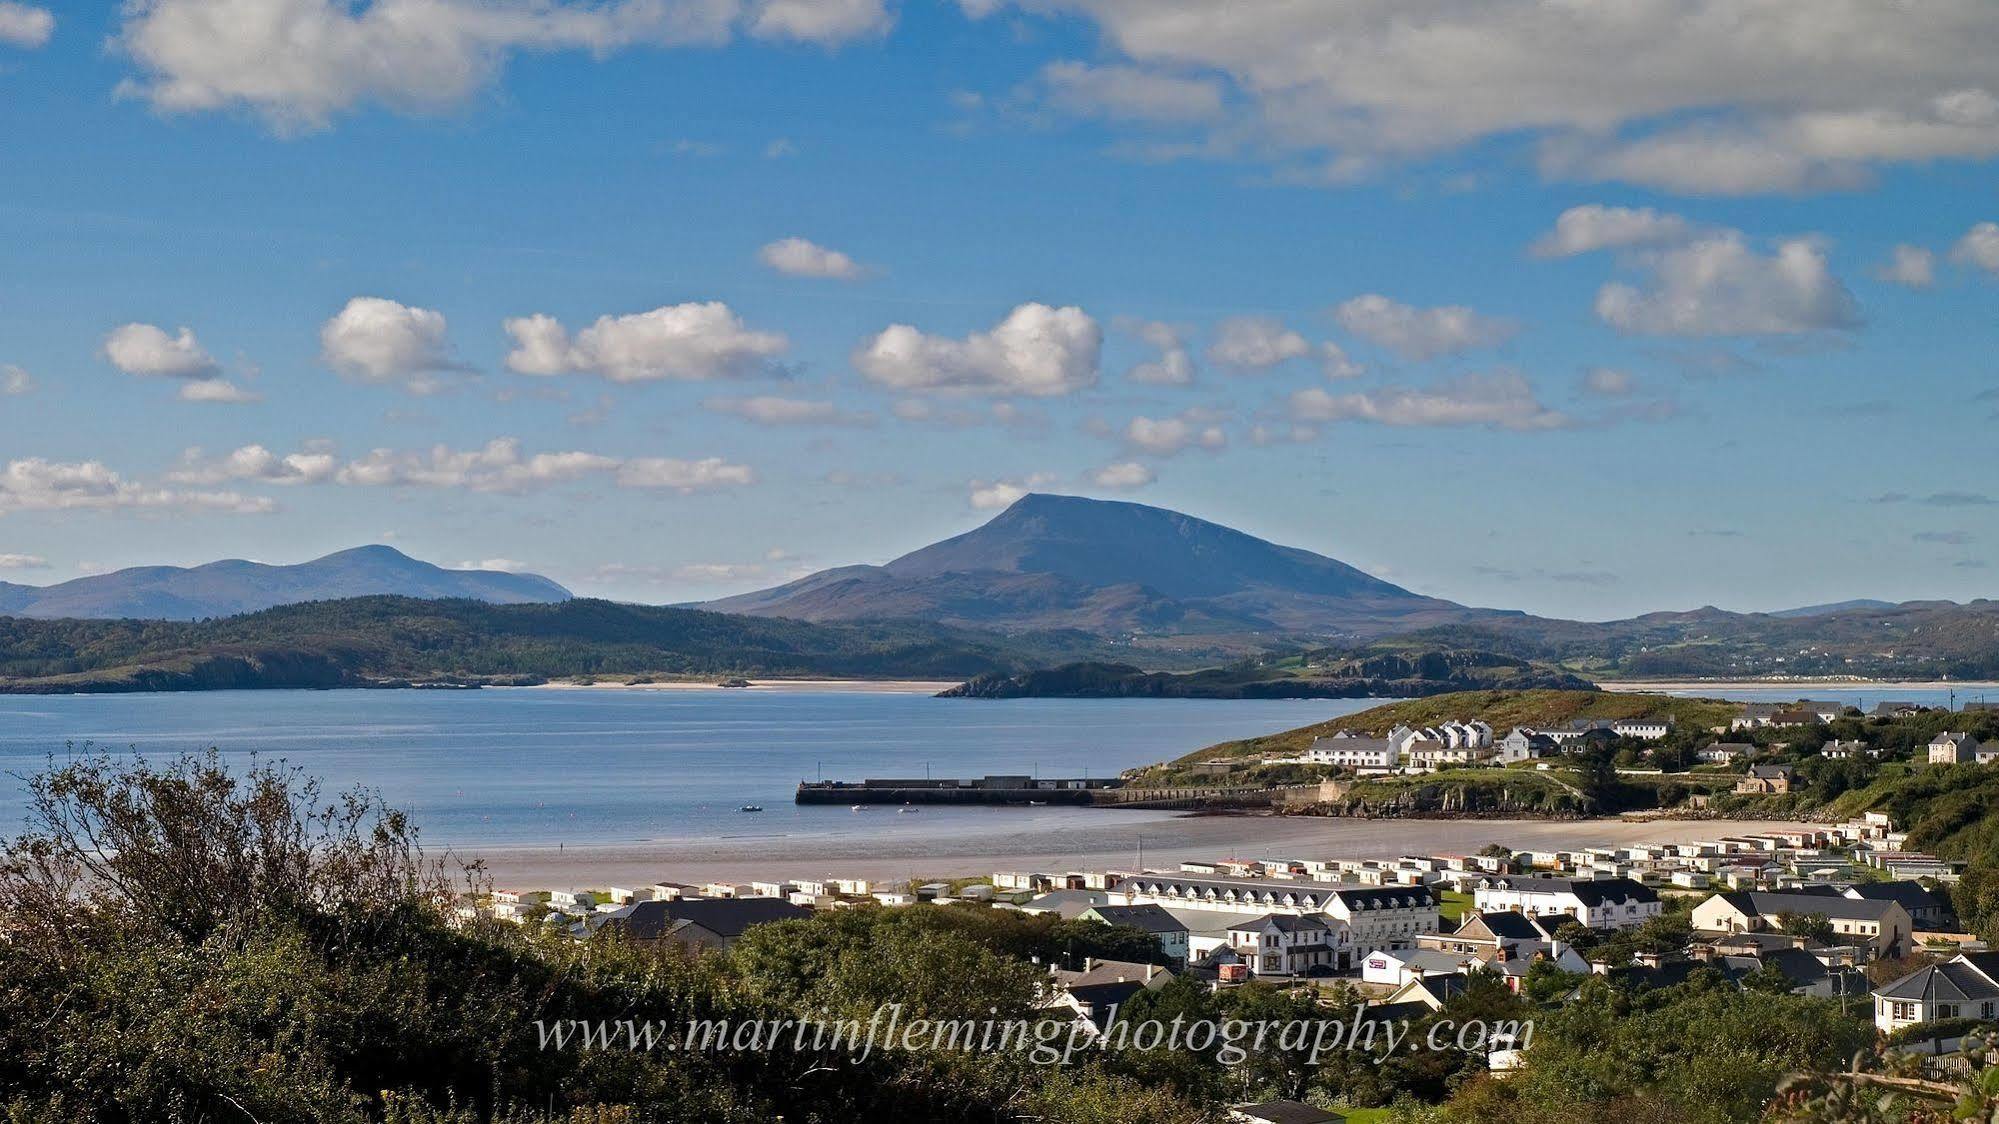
{"type": "Point", "coordinates": [1112, 569]}
{"type": "Point", "coordinates": [1858, 604]}
{"type": "Point", "coordinates": [222, 589]}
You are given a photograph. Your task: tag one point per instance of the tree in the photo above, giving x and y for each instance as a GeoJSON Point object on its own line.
{"type": "Point", "coordinates": [1815, 927]}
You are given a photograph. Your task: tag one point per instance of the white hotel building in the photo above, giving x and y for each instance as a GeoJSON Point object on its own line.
{"type": "Point", "coordinates": [1361, 919]}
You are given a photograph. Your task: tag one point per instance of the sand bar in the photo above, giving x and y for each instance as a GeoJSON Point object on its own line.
{"type": "Point", "coordinates": [1066, 839]}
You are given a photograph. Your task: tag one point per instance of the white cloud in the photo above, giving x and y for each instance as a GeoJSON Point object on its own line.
{"type": "Point", "coordinates": [1129, 93]}
{"type": "Point", "coordinates": [825, 22]}
{"type": "Point", "coordinates": [1979, 247]}
{"type": "Point", "coordinates": [15, 380]}
{"type": "Point", "coordinates": [693, 342]}
{"type": "Point", "coordinates": [384, 341]}
{"type": "Point", "coordinates": [217, 390]}
{"type": "Point", "coordinates": [24, 26]}
{"type": "Point", "coordinates": [1036, 350]}
{"type": "Point", "coordinates": [1164, 437]}
{"type": "Point", "coordinates": [1498, 400]}
{"type": "Point", "coordinates": [1421, 333]}
{"type": "Point", "coordinates": [1702, 96]}
{"type": "Point", "coordinates": [685, 477]}
{"type": "Point", "coordinates": [315, 465]}
{"type": "Point", "coordinates": [1174, 367]}
{"type": "Point", "coordinates": [1608, 382]}
{"type": "Point", "coordinates": [498, 466]}
{"type": "Point", "coordinates": [1122, 476]}
{"type": "Point", "coordinates": [34, 484]}
{"type": "Point", "coordinates": [1720, 286]}
{"type": "Point", "coordinates": [23, 562]}
{"type": "Point", "coordinates": [1585, 229]}
{"type": "Point", "coordinates": [1909, 265]}
{"type": "Point", "coordinates": [146, 349]}
{"type": "Point", "coordinates": [1255, 343]}
{"type": "Point", "coordinates": [1334, 362]}
{"type": "Point", "coordinates": [770, 409]}
{"type": "Point", "coordinates": [796, 257]}
{"type": "Point", "coordinates": [298, 64]}
{"type": "Point", "coordinates": [500, 565]}
{"type": "Point", "coordinates": [988, 495]}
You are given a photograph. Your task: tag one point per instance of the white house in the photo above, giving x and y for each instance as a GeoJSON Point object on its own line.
{"type": "Point", "coordinates": [1879, 928]}
{"type": "Point", "coordinates": [1354, 751]}
{"type": "Point", "coordinates": [1285, 944]}
{"type": "Point", "coordinates": [1953, 749]}
{"type": "Point", "coordinates": [1171, 932]}
{"type": "Point", "coordinates": [1600, 903]}
{"type": "Point", "coordinates": [1398, 968]}
{"type": "Point", "coordinates": [1526, 745]}
{"type": "Point", "coordinates": [1434, 755]}
{"type": "Point", "coordinates": [1724, 753]}
{"type": "Point", "coordinates": [1648, 729]}
{"type": "Point", "coordinates": [1964, 987]}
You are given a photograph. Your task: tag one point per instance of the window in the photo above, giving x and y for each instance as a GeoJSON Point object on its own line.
{"type": "Point", "coordinates": [1946, 1010]}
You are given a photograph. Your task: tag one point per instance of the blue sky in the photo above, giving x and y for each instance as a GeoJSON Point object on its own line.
{"type": "Point", "coordinates": [1589, 338]}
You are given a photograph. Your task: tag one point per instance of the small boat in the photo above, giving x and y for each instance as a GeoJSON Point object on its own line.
{"type": "Point", "coordinates": [751, 808]}
{"type": "Point", "coordinates": [908, 809]}
{"type": "Point", "coordinates": [858, 808]}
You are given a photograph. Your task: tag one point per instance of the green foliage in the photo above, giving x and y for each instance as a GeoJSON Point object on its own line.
{"type": "Point", "coordinates": [1702, 1052]}
{"type": "Point", "coordinates": [1320, 674]}
{"type": "Point", "coordinates": [355, 641]}
{"type": "Point", "coordinates": [186, 943]}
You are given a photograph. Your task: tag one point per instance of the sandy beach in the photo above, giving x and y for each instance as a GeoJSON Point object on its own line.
{"type": "Point", "coordinates": [1064, 839]}
{"type": "Point", "coordinates": [1722, 686]}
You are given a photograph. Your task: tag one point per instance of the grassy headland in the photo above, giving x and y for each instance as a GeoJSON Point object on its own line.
{"type": "Point", "coordinates": [1502, 710]}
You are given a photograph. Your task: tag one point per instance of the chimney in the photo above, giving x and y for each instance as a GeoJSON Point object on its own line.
{"type": "Point", "coordinates": [1089, 962]}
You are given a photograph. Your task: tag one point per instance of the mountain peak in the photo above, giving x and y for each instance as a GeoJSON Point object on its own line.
{"type": "Point", "coordinates": [1058, 561]}
{"type": "Point", "coordinates": [234, 586]}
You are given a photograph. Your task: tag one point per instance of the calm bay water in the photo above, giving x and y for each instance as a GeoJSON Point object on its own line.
{"type": "Point", "coordinates": [552, 766]}
{"type": "Point", "coordinates": [548, 766]}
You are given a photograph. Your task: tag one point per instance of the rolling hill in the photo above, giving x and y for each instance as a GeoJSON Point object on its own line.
{"type": "Point", "coordinates": [1109, 568]}
{"type": "Point", "coordinates": [392, 641]}
{"type": "Point", "coordinates": [221, 589]}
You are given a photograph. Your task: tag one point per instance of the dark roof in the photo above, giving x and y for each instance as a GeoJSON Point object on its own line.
{"type": "Point", "coordinates": [1769, 772]}
{"type": "Point", "coordinates": [1151, 918]}
{"type": "Point", "coordinates": [1797, 965]}
{"type": "Point", "coordinates": [1954, 981]}
{"type": "Point", "coordinates": [1443, 988]}
{"type": "Point", "coordinates": [1910, 895]}
{"type": "Point", "coordinates": [1386, 897]}
{"type": "Point", "coordinates": [1757, 941]}
{"type": "Point", "coordinates": [1510, 925]}
{"type": "Point", "coordinates": [725, 917]}
{"type": "Point", "coordinates": [1104, 999]}
{"type": "Point", "coordinates": [1288, 1112]}
{"type": "Point", "coordinates": [1671, 972]}
{"type": "Point", "coordinates": [1282, 922]}
{"type": "Point", "coordinates": [1845, 909]}
{"type": "Point", "coordinates": [1591, 892]}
